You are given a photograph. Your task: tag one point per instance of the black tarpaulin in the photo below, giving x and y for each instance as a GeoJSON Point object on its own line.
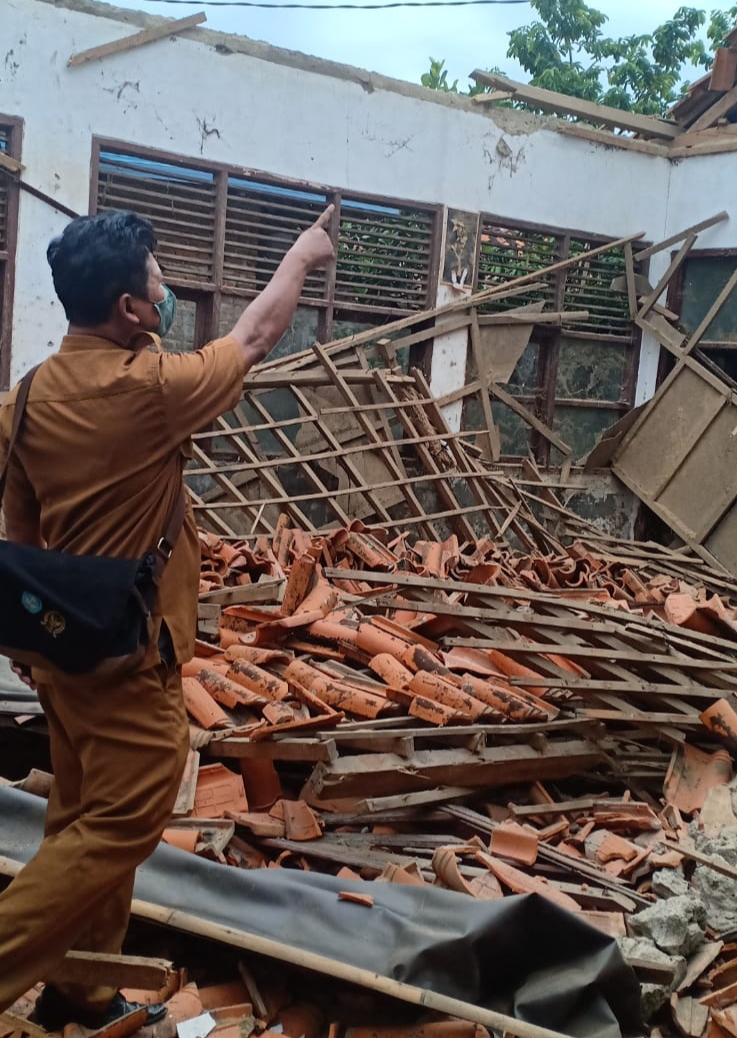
{"type": "Point", "coordinates": [520, 955]}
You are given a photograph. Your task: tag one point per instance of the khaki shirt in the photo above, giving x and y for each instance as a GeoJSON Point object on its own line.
{"type": "Point", "coordinates": [99, 460]}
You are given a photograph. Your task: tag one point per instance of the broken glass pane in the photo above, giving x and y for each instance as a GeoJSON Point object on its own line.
{"type": "Point", "coordinates": [513, 432]}
{"type": "Point", "coordinates": [703, 279]}
{"type": "Point", "coordinates": [580, 428]}
{"type": "Point", "coordinates": [524, 377]}
{"type": "Point", "coordinates": [590, 370]}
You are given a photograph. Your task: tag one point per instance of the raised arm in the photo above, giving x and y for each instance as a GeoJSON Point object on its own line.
{"type": "Point", "coordinates": [265, 320]}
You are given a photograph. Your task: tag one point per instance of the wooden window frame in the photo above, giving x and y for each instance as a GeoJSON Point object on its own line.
{"type": "Point", "coordinates": [7, 257]}
{"type": "Point", "coordinates": [674, 302]}
{"type": "Point", "coordinates": [544, 401]}
{"type": "Point", "coordinates": [212, 292]}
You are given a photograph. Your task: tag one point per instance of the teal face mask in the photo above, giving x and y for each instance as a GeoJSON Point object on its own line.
{"type": "Point", "coordinates": [166, 310]}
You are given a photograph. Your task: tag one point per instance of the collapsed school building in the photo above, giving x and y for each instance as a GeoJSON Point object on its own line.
{"type": "Point", "coordinates": [469, 579]}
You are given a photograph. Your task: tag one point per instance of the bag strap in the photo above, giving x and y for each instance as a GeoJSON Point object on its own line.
{"type": "Point", "coordinates": [18, 414]}
{"type": "Point", "coordinates": [175, 519]}
{"type": "Point", "coordinates": [166, 543]}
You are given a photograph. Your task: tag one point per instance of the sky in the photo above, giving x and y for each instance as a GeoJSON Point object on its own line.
{"type": "Point", "coordinates": [400, 42]}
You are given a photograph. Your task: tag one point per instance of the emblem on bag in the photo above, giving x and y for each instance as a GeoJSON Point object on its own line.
{"type": "Point", "coordinates": [54, 623]}
{"type": "Point", "coordinates": [31, 603]}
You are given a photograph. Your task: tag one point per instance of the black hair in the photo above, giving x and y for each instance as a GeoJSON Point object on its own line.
{"type": "Point", "coordinates": [96, 260]}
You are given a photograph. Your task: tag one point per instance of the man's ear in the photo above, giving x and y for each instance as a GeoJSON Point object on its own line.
{"type": "Point", "coordinates": [126, 308]}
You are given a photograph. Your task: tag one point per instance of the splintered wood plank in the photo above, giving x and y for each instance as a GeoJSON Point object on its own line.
{"type": "Point", "coordinates": [663, 332]}
{"type": "Point", "coordinates": [187, 787]}
{"type": "Point", "coordinates": [454, 324]}
{"type": "Point", "coordinates": [138, 39]}
{"type": "Point", "coordinates": [269, 591]}
{"type": "Point", "coordinates": [354, 856]}
{"type": "Point", "coordinates": [532, 316]}
{"type": "Point", "coordinates": [703, 859]}
{"type": "Point", "coordinates": [424, 798]}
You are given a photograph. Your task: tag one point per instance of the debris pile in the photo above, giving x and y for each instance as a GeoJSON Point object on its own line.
{"type": "Point", "coordinates": [415, 670]}
{"type": "Point", "coordinates": [481, 719]}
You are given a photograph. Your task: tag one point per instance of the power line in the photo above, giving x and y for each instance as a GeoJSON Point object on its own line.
{"type": "Point", "coordinates": [341, 7]}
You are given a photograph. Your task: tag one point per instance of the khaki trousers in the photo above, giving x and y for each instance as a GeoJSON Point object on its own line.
{"type": "Point", "coordinates": [118, 752]}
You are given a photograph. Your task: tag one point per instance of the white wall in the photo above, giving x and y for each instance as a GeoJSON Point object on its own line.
{"type": "Point", "coordinates": [305, 119]}
{"type": "Point", "coordinates": [325, 128]}
{"type": "Point", "coordinates": [700, 188]}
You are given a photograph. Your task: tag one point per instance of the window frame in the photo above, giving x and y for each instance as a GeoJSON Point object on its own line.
{"type": "Point", "coordinates": [544, 401]}
{"type": "Point", "coordinates": [210, 294]}
{"type": "Point", "coordinates": [8, 256]}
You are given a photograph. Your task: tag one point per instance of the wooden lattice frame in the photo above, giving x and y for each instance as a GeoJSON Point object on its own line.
{"type": "Point", "coordinates": [384, 417]}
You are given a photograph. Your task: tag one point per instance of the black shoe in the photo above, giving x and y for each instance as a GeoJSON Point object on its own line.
{"type": "Point", "coordinates": [53, 1012]}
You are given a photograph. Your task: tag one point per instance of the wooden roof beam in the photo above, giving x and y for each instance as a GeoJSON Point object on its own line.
{"type": "Point", "coordinates": [563, 104]}
{"type": "Point", "coordinates": [138, 39]}
{"type": "Point", "coordinates": [717, 111]}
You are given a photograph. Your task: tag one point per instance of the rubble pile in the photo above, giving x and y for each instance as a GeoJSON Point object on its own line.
{"type": "Point", "coordinates": [484, 720]}
{"type": "Point", "coordinates": [479, 719]}
{"type": "Point", "coordinates": [415, 671]}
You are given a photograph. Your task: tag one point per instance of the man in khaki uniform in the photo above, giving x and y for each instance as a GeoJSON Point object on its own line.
{"type": "Point", "coordinates": [96, 470]}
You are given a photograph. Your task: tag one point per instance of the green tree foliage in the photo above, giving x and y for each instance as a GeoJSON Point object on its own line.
{"type": "Point", "coordinates": [721, 23]}
{"type": "Point", "coordinates": [566, 49]}
{"type": "Point", "coordinates": [437, 78]}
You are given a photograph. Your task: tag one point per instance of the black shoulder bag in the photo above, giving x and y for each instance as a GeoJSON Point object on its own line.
{"type": "Point", "coordinates": [80, 614]}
